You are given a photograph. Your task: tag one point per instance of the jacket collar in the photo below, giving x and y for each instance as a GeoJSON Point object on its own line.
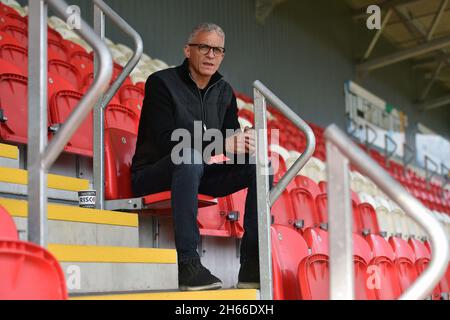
{"type": "Point", "coordinates": [185, 73]}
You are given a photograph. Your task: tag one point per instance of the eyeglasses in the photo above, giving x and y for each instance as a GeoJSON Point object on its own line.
{"type": "Point", "coordinates": [205, 49]}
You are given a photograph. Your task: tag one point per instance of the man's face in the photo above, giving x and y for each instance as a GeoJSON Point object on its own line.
{"type": "Point", "coordinates": [204, 64]}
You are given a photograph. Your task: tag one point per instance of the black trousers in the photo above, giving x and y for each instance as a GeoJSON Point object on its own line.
{"type": "Point", "coordinates": [186, 181]}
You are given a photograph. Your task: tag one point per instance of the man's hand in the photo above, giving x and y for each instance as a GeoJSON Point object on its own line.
{"type": "Point", "coordinates": [241, 142]}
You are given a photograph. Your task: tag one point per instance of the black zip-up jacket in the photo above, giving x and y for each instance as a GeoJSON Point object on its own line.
{"type": "Point", "coordinates": [173, 100]}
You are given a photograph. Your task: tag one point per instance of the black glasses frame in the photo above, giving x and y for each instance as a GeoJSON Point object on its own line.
{"type": "Point", "coordinates": [217, 51]}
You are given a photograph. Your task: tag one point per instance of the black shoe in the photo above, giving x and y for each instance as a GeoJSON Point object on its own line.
{"type": "Point", "coordinates": [193, 276]}
{"type": "Point", "coordinates": [249, 275]}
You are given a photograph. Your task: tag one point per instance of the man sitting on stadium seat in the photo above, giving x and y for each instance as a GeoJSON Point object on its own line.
{"type": "Point", "coordinates": [179, 98]}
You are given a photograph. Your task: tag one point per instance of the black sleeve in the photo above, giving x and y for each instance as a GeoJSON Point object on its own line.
{"type": "Point", "coordinates": [230, 120]}
{"type": "Point", "coordinates": [231, 117]}
{"type": "Point", "coordinates": [159, 113]}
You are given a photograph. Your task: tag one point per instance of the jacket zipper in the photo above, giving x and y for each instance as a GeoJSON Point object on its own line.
{"type": "Point", "coordinates": [201, 100]}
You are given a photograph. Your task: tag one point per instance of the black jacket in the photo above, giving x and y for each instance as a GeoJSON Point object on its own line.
{"type": "Point", "coordinates": [173, 100]}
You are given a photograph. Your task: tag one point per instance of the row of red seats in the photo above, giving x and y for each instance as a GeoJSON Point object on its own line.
{"type": "Point", "coordinates": [28, 272]}
{"type": "Point", "coordinates": [63, 97]}
{"type": "Point", "coordinates": [292, 139]}
{"type": "Point", "coordinates": [383, 270]}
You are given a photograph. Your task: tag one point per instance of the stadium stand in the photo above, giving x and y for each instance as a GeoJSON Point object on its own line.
{"type": "Point", "coordinates": [385, 239]}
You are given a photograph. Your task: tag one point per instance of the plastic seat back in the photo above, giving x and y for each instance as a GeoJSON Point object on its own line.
{"type": "Point", "coordinates": [61, 106]}
{"type": "Point", "coordinates": [383, 277]}
{"type": "Point", "coordinates": [29, 272]}
{"type": "Point", "coordinates": [14, 108]}
{"type": "Point", "coordinates": [8, 230]}
{"type": "Point", "coordinates": [289, 249]}
{"type": "Point", "coordinates": [313, 272]}
{"type": "Point", "coordinates": [212, 220]}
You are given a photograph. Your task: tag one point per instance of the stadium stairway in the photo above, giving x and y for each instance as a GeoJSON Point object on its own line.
{"type": "Point", "coordinates": [98, 250]}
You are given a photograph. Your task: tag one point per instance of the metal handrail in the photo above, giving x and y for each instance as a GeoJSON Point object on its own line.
{"type": "Point", "coordinates": [265, 197]}
{"type": "Point", "coordinates": [430, 173]}
{"type": "Point", "coordinates": [407, 161]}
{"type": "Point", "coordinates": [92, 95]}
{"type": "Point", "coordinates": [425, 284]}
{"type": "Point", "coordinates": [42, 157]}
{"type": "Point", "coordinates": [99, 146]}
{"type": "Point", "coordinates": [388, 155]}
{"type": "Point", "coordinates": [134, 60]}
{"type": "Point", "coordinates": [367, 142]}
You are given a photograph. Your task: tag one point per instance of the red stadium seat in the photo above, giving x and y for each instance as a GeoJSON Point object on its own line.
{"type": "Point", "coordinates": [72, 47]}
{"type": "Point", "coordinates": [134, 105]}
{"type": "Point", "coordinates": [8, 230]}
{"type": "Point", "coordinates": [54, 35]}
{"type": "Point", "coordinates": [20, 34]}
{"type": "Point", "coordinates": [83, 61]}
{"type": "Point", "coordinates": [283, 211]}
{"type": "Point", "coordinates": [58, 49]}
{"type": "Point", "coordinates": [67, 71]}
{"type": "Point", "coordinates": [13, 107]}
{"type": "Point", "coordinates": [56, 83]}
{"type": "Point", "coordinates": [61, 106]}
{"type": "Point", "coordinates": [13, 19]}
{"type": "Point", "coordinates": [313, 272]}
{"type": "Point", "coordinates": [383, 277]}
{"type": "Point", "coordinates": [322, 210]}
{"type": "Point", "coordinates": [5, 9]}
{"type": "Point", "coordinates": [289, 249]}
{"type": "Point", "coordinates": [16, 55]}
{"type": "Point", "coordinates": [404, 262]}
{"type": "Point", "coordinates": [304, 208]}
{"type": "Point", "coordinates": [119, 117]}
{"type": "Point", "coordinates": [423, 258]}
{"type": "Point", "coordinates": [120, 146]}
{"type": "Point", "coordinates": [127, 92]}
{"type": "Point", "coordinates": [141, 85]}
{"type": "Point", "coordinates": [236, 203]}
{"type": "Point", "coordinates": [368, 218]}
{"type": "Point", "coordinates": [29, 272]}
{"type": "Point", "coordinates": [213, 220]}
{"type": "Point", "coordinates": [6, 38]}
{"type": "Point", "coordinates": [362, 256]}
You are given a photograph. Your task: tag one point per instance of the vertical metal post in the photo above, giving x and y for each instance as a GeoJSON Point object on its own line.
{"type": "Point", "coordinates": [262, 188]}
{"type": "Point", "coordinates": [340, 226]}
{"type": "Point", "coordinates": [37, 122]}
{"type": "Point", "coordinates": [98, 119]}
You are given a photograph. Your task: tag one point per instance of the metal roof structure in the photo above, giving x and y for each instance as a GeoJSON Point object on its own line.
{"type": "Point", "coordinates": [420, 30]}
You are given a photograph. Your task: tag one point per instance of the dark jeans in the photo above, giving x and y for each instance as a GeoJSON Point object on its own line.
{"type": "Point", "coordinates": [185, 182]}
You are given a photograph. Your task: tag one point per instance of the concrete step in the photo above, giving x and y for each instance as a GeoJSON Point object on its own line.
{"type": "Point", "coordinates": [75, 225]}
{"type": "Point", "coordinates": [229, 294]}
{"type": "Point", "coordinates": [14, 181]}
{"type": "Point", "coordinates": [9, 156]}
{"type": "Point", "coordinates": [99, 269]}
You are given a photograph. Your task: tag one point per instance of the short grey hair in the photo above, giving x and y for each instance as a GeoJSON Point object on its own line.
{"type": "Point", "coordinates": [206, 27]}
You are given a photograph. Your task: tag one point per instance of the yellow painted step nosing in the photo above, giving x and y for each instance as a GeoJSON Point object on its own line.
{"type": "Point", "coordinates": [8, 151]}
{"type": "Point", "coordinates": [20, 176]}
{"type": "Point", "coordinates": [19, 208]}
{"type": "Point", "coordinates": [100, 254]}
{"type": "Point", "coordinates": [238, 294]}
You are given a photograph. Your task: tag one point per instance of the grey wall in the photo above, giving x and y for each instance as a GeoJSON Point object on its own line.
{"type": "Point", "coordinates": [304, 52]}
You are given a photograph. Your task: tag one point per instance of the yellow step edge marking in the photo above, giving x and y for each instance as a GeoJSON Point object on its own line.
{"type": "Point", "coordinates": [19, 208]}
{"type": "Point", "coordinates": [20, 176]}
{"type": "Point", "coordinates": [249, 294]}
{"type": "Point", "coordinates": [8, 151]}
{"type": "Point", "coordinates": [99, 254]}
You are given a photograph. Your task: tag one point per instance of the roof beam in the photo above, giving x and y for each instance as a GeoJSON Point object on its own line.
{"type": "Point", "coordinates": [403, 55]}
{"type": "Point", "coordinates": [435, 103]}
{"type": "Point", "coordinates": [362, 13]}
{"type": "Point", "coordinates": [437, 19]}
